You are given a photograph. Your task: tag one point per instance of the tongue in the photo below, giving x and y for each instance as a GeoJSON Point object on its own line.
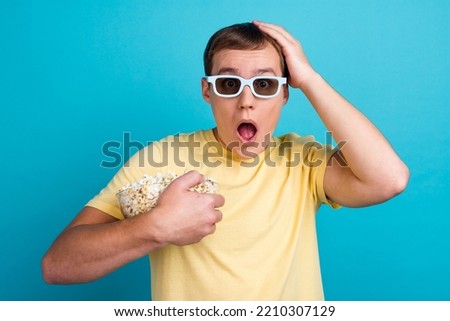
{"type": "Point", "coordinates": [247, 131]}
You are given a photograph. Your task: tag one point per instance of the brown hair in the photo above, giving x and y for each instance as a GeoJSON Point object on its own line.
{"type": "Point", "coordinates": [242, 36]}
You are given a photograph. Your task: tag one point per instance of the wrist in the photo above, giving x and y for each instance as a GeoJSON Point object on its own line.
{"type": "Point", "coordinates": [310, 80]}
{"type": "Point", "coordinates": [150, 231]}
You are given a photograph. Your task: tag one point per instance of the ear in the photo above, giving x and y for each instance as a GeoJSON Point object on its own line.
{"type": "Point", "coordinates": [285, 94]}
{"type": "Point", "coordinates": [206, 91]}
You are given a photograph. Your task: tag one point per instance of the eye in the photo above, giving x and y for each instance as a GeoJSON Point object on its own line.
{"type": "Point", "coordinates": [264, 83]}
{"type": "Point", "coordinates": [230, 83]}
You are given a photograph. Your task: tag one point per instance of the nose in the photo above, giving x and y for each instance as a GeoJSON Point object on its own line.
{"type": "Point", "coordinates": [246, 98]}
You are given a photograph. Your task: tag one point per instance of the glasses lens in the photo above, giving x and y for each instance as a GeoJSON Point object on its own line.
{"type": "Point", "coordinates": [228, 85]}
{"type": "Point", "coordinates": [265, 86]}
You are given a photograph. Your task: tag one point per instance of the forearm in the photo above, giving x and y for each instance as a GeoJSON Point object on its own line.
{"type": "Point", "coordinates": [368, 154]}
{"type": "Point", "coordinates": [89, 251]}
{"type": "Point", "coordinates": [95, 243]}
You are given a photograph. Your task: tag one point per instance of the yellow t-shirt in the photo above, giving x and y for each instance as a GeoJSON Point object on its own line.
{"type": "Point", "coordinates": [265, 247]}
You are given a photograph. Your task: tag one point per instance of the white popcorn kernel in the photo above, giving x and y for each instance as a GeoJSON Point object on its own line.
{"type": "Point", "coordinates": [142, 195]}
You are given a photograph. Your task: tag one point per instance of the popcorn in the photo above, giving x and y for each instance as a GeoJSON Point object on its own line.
{"type": "Point", "coordinates": [141, 196]}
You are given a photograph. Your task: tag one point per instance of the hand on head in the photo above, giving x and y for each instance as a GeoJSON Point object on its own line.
{"type": "Point", "coordinates": [297, 62]}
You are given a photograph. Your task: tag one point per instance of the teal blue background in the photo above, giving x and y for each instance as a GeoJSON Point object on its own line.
{"type": "Point", "coordinates": [77, 74]}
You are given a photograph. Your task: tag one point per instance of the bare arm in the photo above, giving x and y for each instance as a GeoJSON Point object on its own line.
{"type": "Point", "coordinates": [374, 173]}
{"type": "Point", "coordinates": [95, 244]}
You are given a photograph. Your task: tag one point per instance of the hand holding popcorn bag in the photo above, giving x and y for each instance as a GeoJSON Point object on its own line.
{"type": "Point", "coordinates": [142, 195]}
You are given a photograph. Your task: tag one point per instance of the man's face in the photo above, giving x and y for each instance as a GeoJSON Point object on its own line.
{"type": "Point", "coordinates": [245, 123]}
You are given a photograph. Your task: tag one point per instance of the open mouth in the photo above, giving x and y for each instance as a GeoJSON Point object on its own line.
{"type": "Point", "coordinates": [247, 131]}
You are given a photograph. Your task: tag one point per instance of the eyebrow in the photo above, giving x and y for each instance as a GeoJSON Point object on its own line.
{"type": "Point", "coordinates": [234, 71]}
{"type": "Point", "coordinates": [227, 70]}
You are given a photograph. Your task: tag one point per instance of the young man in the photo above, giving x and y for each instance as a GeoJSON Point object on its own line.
{"type": "Point", "coordinates": [256, 240]}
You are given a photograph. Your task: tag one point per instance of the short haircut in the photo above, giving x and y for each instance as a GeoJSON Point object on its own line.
{"type": "Point", "coordinates": [241, 36]}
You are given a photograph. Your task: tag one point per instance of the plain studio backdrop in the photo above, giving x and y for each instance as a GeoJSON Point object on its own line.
{"type": "Point", "coordinates": [75, 75]}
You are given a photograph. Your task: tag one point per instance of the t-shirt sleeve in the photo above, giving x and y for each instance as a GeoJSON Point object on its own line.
{"type": "Point", "coordinates": [317, 160]}
{"type": "Point", "coordinates": [135, 168]}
